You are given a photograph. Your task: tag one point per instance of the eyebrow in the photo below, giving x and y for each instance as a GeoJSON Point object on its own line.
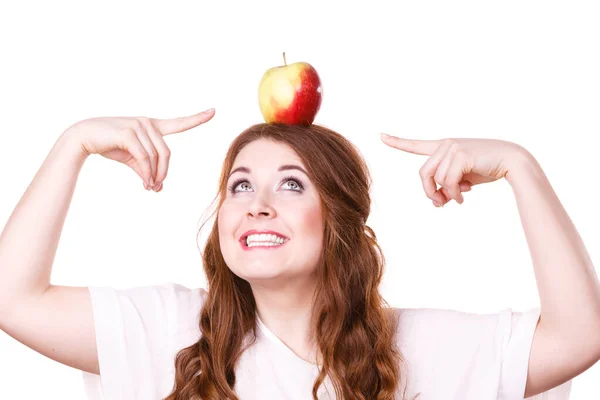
{"type": "Point", "coordinates": [284, 167]}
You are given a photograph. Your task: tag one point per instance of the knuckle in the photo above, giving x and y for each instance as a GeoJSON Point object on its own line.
{"type": "Point", "coordinates": [460, 153]}
{"type": "Point", "coordinates": [452, 180]}
{"type": "Point", "coordinates": [431, 195]}
{"type": "Point", "coordinates": [144, 120]}
{"type": "Point", "coordinates": [136, 124]}
{"type": "Point", "coordinates": [453, 149]}
{"type": "Point", "coordinates": [130, 134]}
{"type": "Point", "coordinates": [128, 131]}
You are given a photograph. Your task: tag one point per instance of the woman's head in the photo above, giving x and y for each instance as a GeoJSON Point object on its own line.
{"type": "Point", "coordinates": [291, 179]}
{"type": "Point", "coordinates": [320, 205]}
{"type": "Point", "coordinates": [269, 188]}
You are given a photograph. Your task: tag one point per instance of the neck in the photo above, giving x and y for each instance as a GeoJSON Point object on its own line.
{"type": "Point", "coordinates": [285, 308]}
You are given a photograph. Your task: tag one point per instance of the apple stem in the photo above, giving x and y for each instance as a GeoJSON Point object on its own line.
{"type": "Point", "coordinates": [284, 62]}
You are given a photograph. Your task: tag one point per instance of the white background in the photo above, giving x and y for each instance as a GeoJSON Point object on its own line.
{"type": "Point", "coordinates": [526, 72]}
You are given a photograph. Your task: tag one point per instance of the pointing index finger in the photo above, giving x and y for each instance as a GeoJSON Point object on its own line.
{"type": "Point", "coordinates": [423, 147]}
{"type": "Point", "coordinates": [180, 124]}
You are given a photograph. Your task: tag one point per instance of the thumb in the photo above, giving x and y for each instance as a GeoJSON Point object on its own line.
{"type": "Point", "coordinates": [133, 164]}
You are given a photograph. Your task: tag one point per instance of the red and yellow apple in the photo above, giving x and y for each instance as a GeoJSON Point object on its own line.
{"type": "Point", "coordinates": [290, 94]}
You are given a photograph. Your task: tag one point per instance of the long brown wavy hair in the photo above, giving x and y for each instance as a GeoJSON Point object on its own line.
{"type": "Point", "coordinates": [353, 326]}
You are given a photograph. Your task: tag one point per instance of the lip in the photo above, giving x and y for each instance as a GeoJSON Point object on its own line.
{"type": "Point", "coordinates": [242, 239]}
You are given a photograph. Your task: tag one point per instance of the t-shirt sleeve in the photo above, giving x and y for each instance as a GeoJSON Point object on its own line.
{"type": "Point", "coordinates": [516, 347]}
{"type": "Point", "coordinates": [137, 337]}
{"type": "Point", "coordinates": [454, 354]}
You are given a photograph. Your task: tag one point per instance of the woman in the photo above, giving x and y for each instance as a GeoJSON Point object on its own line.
{"type": "Point", "coordinates": [295, 312]}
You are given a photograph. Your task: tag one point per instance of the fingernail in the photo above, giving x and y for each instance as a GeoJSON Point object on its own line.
{"type": "Point", "coordinates": [436, 203]}
{"type": "Point", "coordinates": [384, 135]}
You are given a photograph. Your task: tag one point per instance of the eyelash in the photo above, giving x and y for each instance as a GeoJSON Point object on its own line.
{"type": "Point", "coordinates": [286, 179]}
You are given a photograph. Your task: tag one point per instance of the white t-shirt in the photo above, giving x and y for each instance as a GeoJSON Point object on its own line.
{"type": "Point", "coordinates": [450, 355]}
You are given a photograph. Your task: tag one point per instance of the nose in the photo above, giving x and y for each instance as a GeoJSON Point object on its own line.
{"type": "Point", "coordinates": [261, 206]}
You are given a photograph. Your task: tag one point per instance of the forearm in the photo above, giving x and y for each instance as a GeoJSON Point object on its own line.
{"type": "Point", "coordinates": [567, 282]}
{"type": "Point", "coordinates": [30, 238]}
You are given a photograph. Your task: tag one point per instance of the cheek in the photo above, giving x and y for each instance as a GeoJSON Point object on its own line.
{"type": "Point", "coordinates": [227, 214]}
{"type": "Point", "coordinates": [311, 222]}
{"type": "Point", "coordinates": [225, 223]}
{"type": "Point", "coordinates": [312, 227]}
{"type": "Point", "coordinates": [226, 226]}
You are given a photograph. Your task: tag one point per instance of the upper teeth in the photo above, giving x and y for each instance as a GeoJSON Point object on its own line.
{"type": "Point", "coordinates": [264, 238]}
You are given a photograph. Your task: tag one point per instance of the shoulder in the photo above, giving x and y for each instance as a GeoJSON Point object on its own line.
{"type": "Point", "coordinates": [431, 318]}
{"type": "Point", "coordinates": [138, 332]}
{"type": "Point", "coordinates": [170, 306]}
{"type": "Point", "coordinates": [453, 330]}
{"type": "Point", "coordinates": [445, 346]}
{"type": "Point", "coordinates": [167, 297]}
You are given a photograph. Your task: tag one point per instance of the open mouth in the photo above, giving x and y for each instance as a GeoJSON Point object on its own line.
{"type": "Point", "coordinates": [268, 242]}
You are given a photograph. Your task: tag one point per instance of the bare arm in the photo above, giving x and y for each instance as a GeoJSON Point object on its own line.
{"type": "Point", "coordinates": [567, 339]}
{"type": "Point", "coordinates": [55, 321]}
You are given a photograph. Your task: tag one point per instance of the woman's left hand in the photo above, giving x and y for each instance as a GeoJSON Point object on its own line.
{"type": "Point", "coordinates": [457, 164]}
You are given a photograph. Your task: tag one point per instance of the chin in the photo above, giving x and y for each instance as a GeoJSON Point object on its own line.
{"type": "Point", "coordinates": [258, 277]}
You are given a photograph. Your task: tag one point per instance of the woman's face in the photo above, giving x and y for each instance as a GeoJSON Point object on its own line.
{"type": "Point", "coordinates": [266, 193]}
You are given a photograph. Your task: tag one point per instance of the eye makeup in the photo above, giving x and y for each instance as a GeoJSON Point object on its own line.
{"type": "Point", "coordinates": [231, 188]}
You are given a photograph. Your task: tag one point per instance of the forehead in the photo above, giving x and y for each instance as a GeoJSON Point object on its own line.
{"type": "Point", "coordinates": [266, 153]}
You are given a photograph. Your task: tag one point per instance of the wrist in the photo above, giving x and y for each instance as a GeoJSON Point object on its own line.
{"type": "Point", "coordinates": [69, 142]}
{"type": "Point", "coordinates": [522, 165]}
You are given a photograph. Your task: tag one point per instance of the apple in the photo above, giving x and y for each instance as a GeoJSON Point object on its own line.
{"type": "Point", "coordinates": [290, 94]}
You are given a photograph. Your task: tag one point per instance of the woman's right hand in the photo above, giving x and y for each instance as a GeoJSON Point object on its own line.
{"type": "Point", "coordinates": [135, 141]}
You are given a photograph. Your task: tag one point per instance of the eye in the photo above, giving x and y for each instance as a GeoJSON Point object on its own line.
{"type": "Point", "coordinates": [297, 183]}
{"type": "Point", "coordinates": [234, 185]}
{"type": "Point", "coordinates": [296, 186]}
